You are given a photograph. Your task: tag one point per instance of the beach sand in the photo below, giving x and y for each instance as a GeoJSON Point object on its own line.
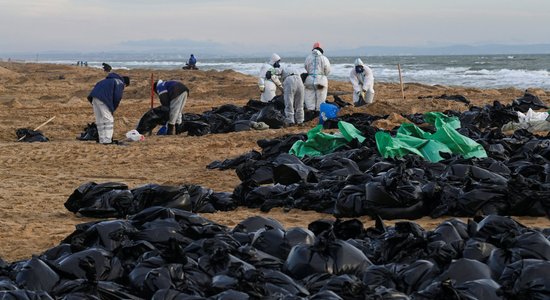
{"type": "Point", "coordinates": [37, 178]}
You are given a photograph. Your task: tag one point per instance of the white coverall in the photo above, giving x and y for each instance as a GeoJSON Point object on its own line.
{"type": "Point", "coordinates": [316, 85]}
{"type": "Point", "coordinates": [293, 91]}
{"type": "Point", "coordinates": [268, 87]}
{"type": "Point", "coordinates": [104, 121]}
{"type": "Point", "coordinates": [363, 83]}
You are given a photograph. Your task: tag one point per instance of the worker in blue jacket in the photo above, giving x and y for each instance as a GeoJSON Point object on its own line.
{"type": "Point", "coordinates": [172, 94]}
{"type": "Point", "coordinates": [105, 98]}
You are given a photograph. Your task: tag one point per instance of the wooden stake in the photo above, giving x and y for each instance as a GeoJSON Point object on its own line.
{"type": "Point", "coordinates": [401, 81]}
{"type": "Point", "coordinates": [152, 89]}
{"type": "Point", "coordinates": [39, 126]}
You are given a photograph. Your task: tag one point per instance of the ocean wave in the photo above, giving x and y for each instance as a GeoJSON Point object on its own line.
{"type": "Point", "coordinates": [426, 72]}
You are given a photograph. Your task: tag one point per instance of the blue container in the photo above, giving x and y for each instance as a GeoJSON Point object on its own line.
{"type": "Point", "coordinates": [162, 130]}
{"type": "Point", "coordinates": [327, 111]}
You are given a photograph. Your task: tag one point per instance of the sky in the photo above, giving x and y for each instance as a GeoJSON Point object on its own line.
{"type": "Point", "coordinates": [252, 26]}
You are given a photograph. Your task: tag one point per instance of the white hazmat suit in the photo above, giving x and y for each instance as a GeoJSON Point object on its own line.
{"type": "Point", "coordinates": [316, 84]}
{"type": "Point", "coordinates": [268, 86]}
{"type": "Point", "coordinates": [293, 88]}
{"type": "Point", "coordinates": [363, 83]}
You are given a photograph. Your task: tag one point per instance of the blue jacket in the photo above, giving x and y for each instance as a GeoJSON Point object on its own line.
{"type": "Point", "coordinates": [109, 91]}
{"type": "Point", "coordinates": [169, 90]}
{"type": "Point", "coordinates": [192, 60]}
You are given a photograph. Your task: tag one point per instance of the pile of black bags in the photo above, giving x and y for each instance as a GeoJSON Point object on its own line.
{"type": "Point", "coordinates": [223, 119]}
{"type": "Point", "coordinates": [167, 253]}
{"type": "Point", "coordinates": [355, 180]}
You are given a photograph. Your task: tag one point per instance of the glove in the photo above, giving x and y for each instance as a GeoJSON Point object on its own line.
{"type": "Point", "coordinates": [262, 89]}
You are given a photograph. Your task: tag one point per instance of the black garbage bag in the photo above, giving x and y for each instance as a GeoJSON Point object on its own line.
{"type": "Point", "coordinates": [30, 136]}
{"type": "Point", "coordinates": [25, 295]}
{"type": "Point", "coordinates": [218, 123]}
{"type": "Point", "coordinates": [278, 242]}
{"type": "Point", "coordinates": [477, 250]}
{"type": "Point", "coordinates": [35, 275]}
{"type": "Point", "coordinates": [152, 118]}
{"type": "Point", "coordinates": [268, 196]}
{"type": "Point", "coordinates": [416, 276]}
{"type": "Point", "coordinates": [289, 169]}
{"type": "Point", "coordinates": [90, 133]}
{"type": "Point", "coordinates": [110, 199]}
{"type": "Point", "coordinates": [255, 223]}
{"type": "Point", "coordinates": [235, 162]}
{"type": "Point", "coordinates": [258, 171]}
{"type": "Point", "coordinates": [270, 115]}
{"type": "Point", "coordinates": [230, 295]}
{"type": "Point", "coordinates": [347, 286]}
{"type": "Point", "coordinates": [326, 255]}
{"type": "Point", "coordinates": [462, 270]}
{"type": "Point", "coordinates": [197, 128]}
{"type": "Point", "coordinates": [92, 264]}
{"type": "Point", "coordinates": [160, 195]}
{"type": "Point", "coordinates": [527, 101]}
{"type": "Point", "coordinates": [109, 235]}
{"type": "Point", "coordinates": [470, 290]}
{"type": "Point", "coordinates": [92, 290]}
{"type": "Point", "coordinates": [171, 294]}
{"type": "Point", "coordinates": [221, 262]}
{"type": "Point", "coordinates": [526, 279]}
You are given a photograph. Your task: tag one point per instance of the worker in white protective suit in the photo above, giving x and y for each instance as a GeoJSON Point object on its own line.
{"type": "Point", "coordinates": [362, 80]}
{"type": "Point", "coordinates": [316, 84]}
{"type": "Point", "coordinates": [268, 79]}
{"type": "Point", "coordinates": [293, 93]}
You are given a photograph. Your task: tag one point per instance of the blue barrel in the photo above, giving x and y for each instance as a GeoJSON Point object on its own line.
{"type": "Point", "coordinates": [327, 111]}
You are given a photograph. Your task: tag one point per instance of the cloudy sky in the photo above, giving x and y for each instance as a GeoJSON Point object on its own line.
{"type": "Point", "coordinates": [256, 26]}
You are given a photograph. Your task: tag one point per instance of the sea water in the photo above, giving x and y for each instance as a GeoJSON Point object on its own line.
{"type": "Point", "coordinates": [481, 71]}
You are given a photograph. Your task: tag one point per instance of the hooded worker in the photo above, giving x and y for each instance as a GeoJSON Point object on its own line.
{"type": "Point", "coordinates": [293, 93]}
{"type": "Point", "coordinates": [316, 84]}
{"type": "Point", "coordinates": [173, 95]}
{"type": "Point", "coordinates": [105, 98]}
{"type": "Point", "coordinates": [362, 80]}
{"type": "Point", "coordinates": [268, 79]}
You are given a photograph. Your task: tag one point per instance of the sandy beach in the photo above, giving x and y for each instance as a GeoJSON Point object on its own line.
{"type": "Point", "coordinates": [37, 178]}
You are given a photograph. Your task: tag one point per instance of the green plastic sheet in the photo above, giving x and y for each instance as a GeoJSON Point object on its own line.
{"type": "Point", "coordinates": [320, 143]}
{"type": "Point", "coordinates": [411, 139]}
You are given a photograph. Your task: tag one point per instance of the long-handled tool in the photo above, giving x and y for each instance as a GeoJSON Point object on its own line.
{"type": "Point", "coordinates": [39, 126]}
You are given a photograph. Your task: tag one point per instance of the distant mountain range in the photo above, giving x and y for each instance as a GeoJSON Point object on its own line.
{"type": "Point", "coordinates": [447, 50]}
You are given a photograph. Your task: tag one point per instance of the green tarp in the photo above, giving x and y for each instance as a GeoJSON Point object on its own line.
{"type": "Point", "coordinates": [320, 143]}
{"type": "Point", "coordinates": [411, 139]}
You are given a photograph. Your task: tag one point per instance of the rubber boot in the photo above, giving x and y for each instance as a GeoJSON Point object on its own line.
{"type": "Point", "coordinates": [171, 128]}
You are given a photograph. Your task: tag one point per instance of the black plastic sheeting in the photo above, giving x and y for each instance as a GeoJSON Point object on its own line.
{"type": "Point", "coordinates": [168, 253]}
{"type": "Point", "coordinates": [30, 136]}
{"type": "Point", "coordinates": [90, 133]}
{"type": "Point", "coordinates": [223, 119]}
{"type": "Point", "coordinates": [113, 199]}
{"type": "Point", "coordinates": [356, 180]}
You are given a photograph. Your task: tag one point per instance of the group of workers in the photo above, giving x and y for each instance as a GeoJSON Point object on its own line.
{"type": "Point", "coordinates": [106, 95]}
{"type": "Point", "coordinates": [301, 91]}
{"type": "Point", "coordinates": [309, 90]}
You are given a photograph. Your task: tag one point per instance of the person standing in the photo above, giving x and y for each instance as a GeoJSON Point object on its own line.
{"type": "Point", "coordinates": [293, 93]}
{"type": "Point", "coordinates": [316, 84]}
{"type": "Point", "coordinates": [362, 80]}
{"type": "Point", "coordinates": [173, 95]}
{"type": "Point", "coordinates": [268, 79]}
{"type": "Point", "coordinates": [105, 98]}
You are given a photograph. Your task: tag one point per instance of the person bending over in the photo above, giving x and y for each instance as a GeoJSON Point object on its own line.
{"type": "Point", "coordinates": [172, 94]}
{"type": "Point", "coordinates": [105, 98]}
